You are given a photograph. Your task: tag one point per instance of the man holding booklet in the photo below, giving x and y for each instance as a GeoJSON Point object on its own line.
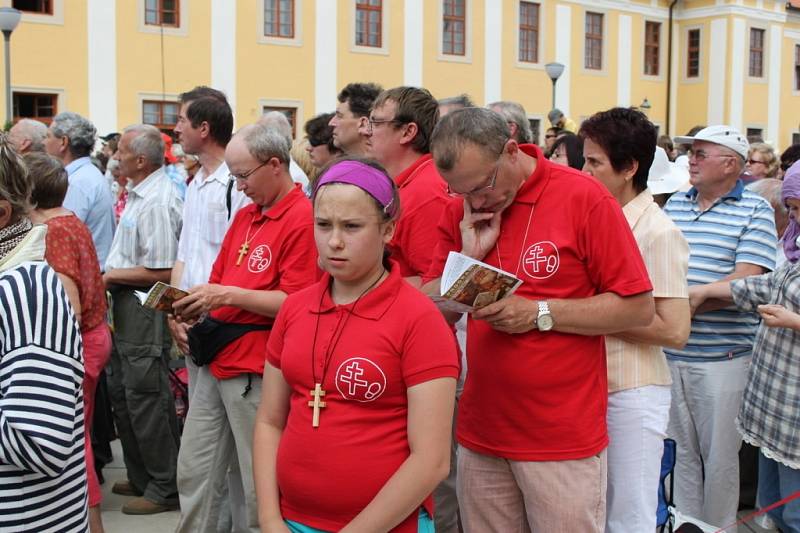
{"type": "Point", "coordinates": [532, 419]}
{"type": "Point", "coordinates": [267, 254]}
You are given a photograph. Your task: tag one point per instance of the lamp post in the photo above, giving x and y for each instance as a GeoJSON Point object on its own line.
{"type": "Point", "coordinates": [554, 70]}
{"type": "Point", "coordinates": [9, 19]}
{"type": "Point", "coordinates": [645, 105]}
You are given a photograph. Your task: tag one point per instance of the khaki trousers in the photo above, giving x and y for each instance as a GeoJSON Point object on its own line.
{"type": "Point", "coordinates": [503, 496]}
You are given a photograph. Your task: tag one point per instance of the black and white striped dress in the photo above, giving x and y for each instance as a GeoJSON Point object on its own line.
{"type": "Point", "coordinates": [42, 468]}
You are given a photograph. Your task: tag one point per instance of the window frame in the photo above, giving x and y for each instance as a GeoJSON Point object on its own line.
{"type": "Point", "coordinates": [536, 30]}
{"type": "Point", "coordinates": [760, 53]}
{"type": "Point", "coordinates": [594, 37]}
{"type": "Point", "coordinates": [698, 50]}
{"type": "Point", "coordinates": [181, 30]}
{"type": "Point", "coordinates": [162, 126]}
{"type": "Point", "coordinates": [384, 26]}
{"type": "Point", "coordinates": [15, 92]}
{"type": "Point", "coordinates": [453, 19]}
{"type": "Point", "coordinates": [272, 104]}
{"type": "Point", "coordinates": [47, 13]}
{"type": "Point", "coordinates": [652, 48]}
{"type": "Point", "coordinates": [368, 8]}
{"type": "Point", "coordinates": [263, 5]}
{"type": "Point", "coordinates": [160, 14]}
{"type": "Point", "coordinates": [796, 89]}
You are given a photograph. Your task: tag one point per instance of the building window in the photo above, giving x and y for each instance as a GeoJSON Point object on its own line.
{"type": "Point", "coordinates": [162, 13]}
{"type": "Point", "coordinates": [797, 67]}
{"type": "Point", "coordinates": [42, 7]}
{"type": "Point", "coordinates": [279, 18]}
{"type": "Point", "coordinates": [529, 32]}
{"type": "Point", "coordinates": [290, 112]}
{"type": "Point", "coordinates": [455, 27]}
{"type": "Point", "coordinates": [756, 53]}
{"type": "Point", "coordinates": [536, 125]}
{"type": "Point", "coordinates": [369, 31]}
{"type": "Point", "coordinates": [161, 114]}
{"type": "Point", "coordinates": [652, 48]}
{"type": "Point", "coordinates": [593, 51]}
{"type": "Point", "coordinates": [693, 54]}
{"type": "Point", "coordinates": [755, 135]}
{"type": "Point", "coordinates": [38, 106]}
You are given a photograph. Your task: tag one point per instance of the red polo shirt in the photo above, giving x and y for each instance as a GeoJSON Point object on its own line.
{"type": "Point", "coordinates": [543, 396]}
{"type": "Point", "coordinates": [423, 196]}
{"type": "Point", "coordinates": [394, 339]}
{"type": "Point", "coordinates": [282, 256]}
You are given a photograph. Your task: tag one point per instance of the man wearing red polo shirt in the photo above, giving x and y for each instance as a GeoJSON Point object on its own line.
{"type": "Point", "coordinates": [398, 133]}
{"type": "Point", "coordinates": [267, 253]}
{"type": "Point", "coordinates": [532, 420]}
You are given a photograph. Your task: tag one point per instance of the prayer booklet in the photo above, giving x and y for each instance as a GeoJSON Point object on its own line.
{"type": "Point", "coordinates": [160, 297]}
{"type": "Point", "coordinates": [468, 284]}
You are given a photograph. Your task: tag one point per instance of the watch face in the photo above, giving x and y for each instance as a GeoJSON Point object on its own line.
{"type": "Point", "coordinates": [544, 323]}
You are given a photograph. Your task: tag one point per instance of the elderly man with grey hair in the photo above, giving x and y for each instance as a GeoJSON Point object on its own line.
{"type": "Point", "coordinates": [268, 253]}
{"type": "Point", "coordinates": [27, 135]}
{"type": "Point", "coordinates": [452, 103]}
{"type": "Point", "coordinates": [71, 139]}
{"type": "Point", "coordinates": [278, 121]}
{"type": "Point", "coordinates": [143, 253]}
{"type": "Point", "coordinates": [516, 118]}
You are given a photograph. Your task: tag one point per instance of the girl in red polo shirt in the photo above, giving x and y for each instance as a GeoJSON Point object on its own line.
{"type": "Point", "coordinates": [353, 431]}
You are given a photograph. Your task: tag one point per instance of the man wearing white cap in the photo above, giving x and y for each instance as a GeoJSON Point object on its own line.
{"type": "Point", "coordinates": [731, 235]}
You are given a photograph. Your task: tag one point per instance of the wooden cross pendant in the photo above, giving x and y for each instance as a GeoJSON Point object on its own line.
{"type": "Point", "coordinates": [242, 252]}
{"type": "Point", "coordinates": [317, 393]}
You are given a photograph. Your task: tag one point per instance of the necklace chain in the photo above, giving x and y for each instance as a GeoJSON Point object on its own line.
{"type": "Point", "coordinates": [337, 332]}
{"type": "Point", "coordinates": [521, 248]}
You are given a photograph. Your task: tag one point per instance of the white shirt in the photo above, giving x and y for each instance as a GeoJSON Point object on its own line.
{"type": "Point", "coordinates": [148, 229]}
{"type": "Point", "coordinates": [205, 222]}
{"type": "Point", "coordinates": [298, 175]}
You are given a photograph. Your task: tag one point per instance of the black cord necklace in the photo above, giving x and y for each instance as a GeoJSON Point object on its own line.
{"type": "Point", "coordinates": [318, 392]}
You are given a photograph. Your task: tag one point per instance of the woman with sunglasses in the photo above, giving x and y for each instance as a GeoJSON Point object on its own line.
{"type": "Point", "coordinates": [353, 430]}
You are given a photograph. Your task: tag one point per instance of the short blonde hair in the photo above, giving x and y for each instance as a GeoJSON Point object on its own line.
{"type": "Point", "coordinates": [14, 183]}
{"type": "Point", "coordinates": [771, 161]}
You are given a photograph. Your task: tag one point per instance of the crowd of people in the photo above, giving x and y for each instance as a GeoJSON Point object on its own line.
{"type": "Point", "coordinates": [329, 388]}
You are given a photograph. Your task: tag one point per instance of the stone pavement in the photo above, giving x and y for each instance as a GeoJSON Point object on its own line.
{"type": "Point", "coordinates": [113, 519]}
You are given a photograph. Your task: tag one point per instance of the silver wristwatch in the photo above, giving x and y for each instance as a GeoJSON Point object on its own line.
{"type": "Point", "coordinates": [544, 320]}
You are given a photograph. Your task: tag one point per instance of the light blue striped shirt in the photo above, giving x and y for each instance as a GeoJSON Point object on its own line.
{"type": "Point", "coordinates": [737, 228]}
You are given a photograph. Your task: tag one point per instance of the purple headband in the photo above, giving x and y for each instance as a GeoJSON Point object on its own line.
{"type": "Point", "coordinates": [791, 189]}
{"type": "Point", "coordinates": [367, 178]}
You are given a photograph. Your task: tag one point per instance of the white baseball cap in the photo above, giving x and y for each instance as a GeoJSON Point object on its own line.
{"type": "Point", "coordinates": [665, 177]}
{"type": "Point", "coordinates": [726, 136]}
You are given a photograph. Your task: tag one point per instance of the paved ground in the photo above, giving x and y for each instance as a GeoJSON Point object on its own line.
{"type": "Point", "coordinates": [113, 519]}
{"type": "Point", "coordinates": [116, 522]}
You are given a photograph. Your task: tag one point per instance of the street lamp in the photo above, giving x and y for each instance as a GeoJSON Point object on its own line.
{"type": "Point", "coordinates": [554, 70]}
{"type": "Point", "coordinates": [645, 105]}
{"type": "Point", "coordinates": [9, 18]}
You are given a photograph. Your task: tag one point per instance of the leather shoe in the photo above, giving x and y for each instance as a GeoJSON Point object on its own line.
{"type": "Point", "coordinates": [125, 488]}
{"type": "Point", "coordinates": [142, 506]}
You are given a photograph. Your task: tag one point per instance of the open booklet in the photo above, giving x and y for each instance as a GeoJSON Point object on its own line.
{"type": "Point", "coordinates": [468, 284]}
{"type": "Point", "coordinates": [160, 297]}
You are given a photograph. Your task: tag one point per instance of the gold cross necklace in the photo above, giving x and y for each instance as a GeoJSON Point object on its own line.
{"type": "Point", "coordinates": [245, 247]}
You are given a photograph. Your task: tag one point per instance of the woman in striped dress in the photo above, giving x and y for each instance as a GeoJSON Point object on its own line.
{"type": "Point", "coordinates": [42, 469]}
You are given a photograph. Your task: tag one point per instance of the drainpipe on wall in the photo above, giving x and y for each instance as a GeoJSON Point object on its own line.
{"type": "Point", "coordinates": [669, 67]}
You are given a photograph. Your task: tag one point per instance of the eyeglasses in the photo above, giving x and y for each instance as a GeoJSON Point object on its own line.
{"type": "Point", "coordinates": [483, 188]}
{"type": "Point", "coordinates": [316, 142]}
{"type": "Point", "coordinates": [244, 175]}
{"type": "Point", "coordinates": [371, 123]}
{"type": "Point", "coordinates": [700, 155]}
{"type": "Point", "coordinates": [550, 135]}
{"type": "Point", "coordinates": [753, 162]}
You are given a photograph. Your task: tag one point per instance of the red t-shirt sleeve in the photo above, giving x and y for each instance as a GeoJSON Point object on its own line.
{"type": "Point", "coordinates": [430, 349]}
{"type": "Point", "coordinates": [417, 236]}
{"type": "Point", "coordinates": [448, 239]}
{"type": "Point", "coordinates": [275, 340]}
{"type": "Point", "coordinates": [613, 258]}
{"type": "Point", "coordinates": [298, 266]}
